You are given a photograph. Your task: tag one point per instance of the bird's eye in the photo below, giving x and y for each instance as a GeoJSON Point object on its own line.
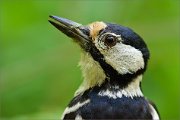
{"type": "Point", "coordinates": [110, 41]}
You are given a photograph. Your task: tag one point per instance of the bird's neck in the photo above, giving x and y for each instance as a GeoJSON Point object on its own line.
{"type": "Point", "coordinates": [115, 90]}
{"type": "Point", "coordinates": [94, 76]}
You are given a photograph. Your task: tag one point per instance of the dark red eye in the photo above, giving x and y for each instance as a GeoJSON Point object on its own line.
{"type": "Point", "coordinates": [110, 41]}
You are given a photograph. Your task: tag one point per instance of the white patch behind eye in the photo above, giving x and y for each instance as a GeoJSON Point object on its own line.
{"type": "Point", "coordinates": [123, 58]}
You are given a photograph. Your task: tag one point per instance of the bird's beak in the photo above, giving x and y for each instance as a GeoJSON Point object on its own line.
{"type": "Point", "coordinates": [72, 29]}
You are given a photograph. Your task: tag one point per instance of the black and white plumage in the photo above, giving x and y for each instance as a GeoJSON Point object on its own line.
{"type": "Point", "coordinates": [113, 61]}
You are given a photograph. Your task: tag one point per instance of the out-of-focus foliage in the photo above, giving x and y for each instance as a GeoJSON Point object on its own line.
{"type": "Point", "coordinates": [38, 64]}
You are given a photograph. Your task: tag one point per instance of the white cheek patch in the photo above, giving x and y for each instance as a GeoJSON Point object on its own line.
{"type": "Point", "coordinates": [123, 58]}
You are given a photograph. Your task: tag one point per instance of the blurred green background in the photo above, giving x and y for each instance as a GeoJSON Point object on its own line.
{"type": "Point", "coordinates": [38, 64]}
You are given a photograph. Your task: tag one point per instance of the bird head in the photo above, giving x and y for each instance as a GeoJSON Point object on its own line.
{"type": "Point", "coordinates": [110, 52]}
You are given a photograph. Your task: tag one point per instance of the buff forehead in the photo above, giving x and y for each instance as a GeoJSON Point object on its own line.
{"type": "Point", "coordinates": [95, 27]}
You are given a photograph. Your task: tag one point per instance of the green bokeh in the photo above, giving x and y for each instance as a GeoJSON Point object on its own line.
{"type": "Point", "coordinates": [38, 64]}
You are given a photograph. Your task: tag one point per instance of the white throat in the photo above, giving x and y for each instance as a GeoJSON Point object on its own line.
{"type": "Point", "coordinates": [92, 72]}
{"type": "Point", "coordinates": [94, 75]}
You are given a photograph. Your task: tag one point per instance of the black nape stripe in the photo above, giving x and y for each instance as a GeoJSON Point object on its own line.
{"type": "Point", "coordinates": [111, 74]}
